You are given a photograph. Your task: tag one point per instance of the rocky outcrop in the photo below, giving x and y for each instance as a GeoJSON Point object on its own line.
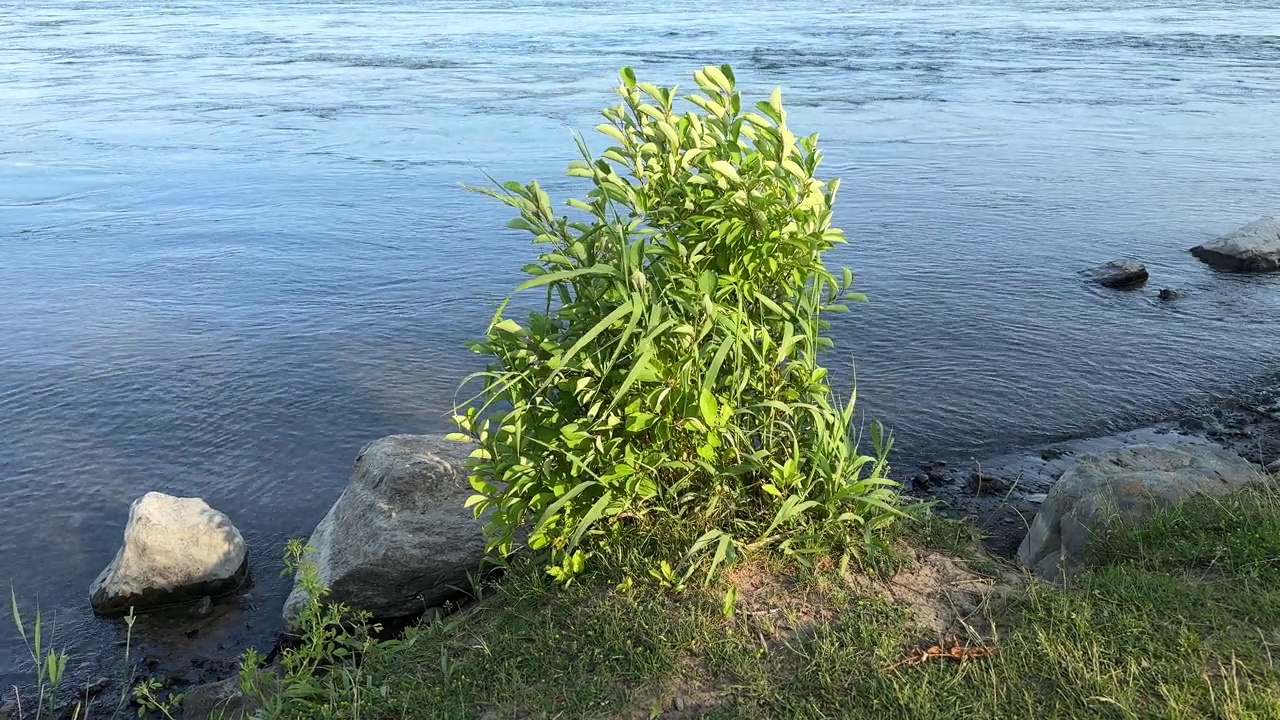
{"type": "Point", "coordinates": [1120, 274]}
{"type": "Point", "coordinates": [399, 536]}
{"type": "Point", "coordinates": [1127, 485]}
{"type": "Point", "coordinates": [1252, 248]}
{"type": "Point", "coordinates": [175, 550]}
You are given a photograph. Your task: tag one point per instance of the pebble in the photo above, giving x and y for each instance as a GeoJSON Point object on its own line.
{"type": "Point", "coordinates": [203, 608]}
{"type": "Point", "coordinates": [98, 686]}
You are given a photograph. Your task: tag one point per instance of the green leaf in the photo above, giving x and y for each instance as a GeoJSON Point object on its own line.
{"type": "Point", "coordinates": [707, 281]}
{"type": "Point", "coordinates": [726, 169]}
{"type": "Point", "coordinates": [717, 76]}
{"type": "Point", "coordinates": [613, 132]}
{"type": "Point", "coordinates": [707, 405]}
{"type": "Point", "coordinates": [554, 508]}
{"type": "Point", "coordinates": [592, 515]}
{"type": "Point", "coordinates": [562, 275]}
{"type": "Point", "coordinates": [613, 317]}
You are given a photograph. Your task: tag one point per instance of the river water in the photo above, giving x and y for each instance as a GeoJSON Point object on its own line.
{"type": "Point", "coordinates": [235, 249]}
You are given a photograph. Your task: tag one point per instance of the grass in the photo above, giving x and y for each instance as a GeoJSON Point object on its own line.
{"type": "Point", "coordinates": [1179, 618]}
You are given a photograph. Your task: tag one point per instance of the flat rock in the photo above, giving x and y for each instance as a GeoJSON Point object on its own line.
{"type": "Point", "coordinates": [1118, 274]}
{"type": "Point", "coordinates": [1252, 248]}
{"type": "Point", "coordinates": [175, 550]}
{"type": "Point", "coordinates": [399, 536]}
{"type": "Point", "coordinates": [1125, 484]}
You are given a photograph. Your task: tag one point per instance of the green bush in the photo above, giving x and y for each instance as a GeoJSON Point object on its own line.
{"type": "Point", "coordinates": [672, 380]}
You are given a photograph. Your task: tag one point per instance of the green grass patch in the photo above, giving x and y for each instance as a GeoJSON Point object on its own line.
{"type": "Point", "coordinates": [1179, 618]}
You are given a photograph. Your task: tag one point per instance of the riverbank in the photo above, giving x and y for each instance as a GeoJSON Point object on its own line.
{"type": "Point", "coordinates": [937, 628]}
{"type": "Point", "coordinates": [1246, 420]}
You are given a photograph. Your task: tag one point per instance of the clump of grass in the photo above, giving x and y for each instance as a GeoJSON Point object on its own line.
{"type": "Point", "coordinates": [48, 668]}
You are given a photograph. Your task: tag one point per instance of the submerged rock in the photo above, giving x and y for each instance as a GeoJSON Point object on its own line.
{"type": "Point", "coordinates": [1118, 274]}
{"type": "Point", "coordinates": [399, 536]}
{"type": "Point", "coordinates": [1126, 484]}
{"type": "Point", "coordinates": [1252, 248]}
{"type": "Point", "coordinates": [175, 550]}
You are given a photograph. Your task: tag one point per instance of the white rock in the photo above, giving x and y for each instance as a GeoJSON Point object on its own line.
{"type": "Point", "coordinates": [1252, 248]}
{"type": "Point", "coordinates": [175, 550]}
{"type": "Point", "coordinates": [1127, 485]}
{"type": "Point", "coordinates": [399, 536]}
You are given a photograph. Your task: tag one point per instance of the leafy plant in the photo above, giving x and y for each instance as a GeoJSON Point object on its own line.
{"type": "Point", "coordinates": [320, 676]}
{"type": "Point", "coordinates": [151, 697]}
{"type": "Point", "coordinates": [672, 378]}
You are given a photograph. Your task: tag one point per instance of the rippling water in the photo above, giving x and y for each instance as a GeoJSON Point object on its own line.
{"type": "Point", "coordinates": [235, 248]}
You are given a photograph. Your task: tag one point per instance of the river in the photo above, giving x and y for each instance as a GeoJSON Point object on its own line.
{"type": "Point", "coordinates": [235, 247]}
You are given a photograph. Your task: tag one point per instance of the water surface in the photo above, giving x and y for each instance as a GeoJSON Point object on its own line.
{"type": "Point", "coordinates": [235, 248]}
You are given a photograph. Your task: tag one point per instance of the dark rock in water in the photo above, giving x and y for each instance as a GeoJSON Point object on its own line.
{"type": "Point", "coordinates": [1252, 248]}
{"type": "Point", "coordinates": [1119, 274]}
{"type": "Point", "coordinates": [1052, 453]}
{"type": "Point", "coordinates": [980, 483]}
{"type": "Point", "coordinates": [98, 687]}
{"type": "Point", "coordinates": [203, 607]}
{"type": "Point", "coordinates": [920, 481]}
{"type": "Point", "coordinates": [1168, 294]}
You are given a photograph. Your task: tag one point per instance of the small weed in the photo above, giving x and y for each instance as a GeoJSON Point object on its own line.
{"type": "Point", "coordinates": [48, 667]}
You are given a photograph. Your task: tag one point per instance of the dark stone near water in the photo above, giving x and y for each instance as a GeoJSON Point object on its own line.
{"type": "Point", "coordinates": [1119, 274]}
{"type": "Point", "coordinates": [980, 483]}
{"type": "Point", "coordinates": [1052, 453]}
{"type": "Point", "coordinates": [203, 607]}
{"type": "Point", "coordinates": [1252, 248]}
{"type": "Point", "coordinates": [218, 700]}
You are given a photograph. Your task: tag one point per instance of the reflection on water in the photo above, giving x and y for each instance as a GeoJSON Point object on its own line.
{"type": "Point", "coordinates": [234, 246]}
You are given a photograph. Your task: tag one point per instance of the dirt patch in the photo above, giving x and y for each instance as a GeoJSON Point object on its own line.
{"type": "Point", "coordinates": [682, 697]}
{"type": "Point", "coordinates": [946, 595]}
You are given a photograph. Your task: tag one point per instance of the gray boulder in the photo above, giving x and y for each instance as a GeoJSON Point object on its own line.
{"type": "Point", "coordinates": [1127, 485]}
{"type": "Point", "coordinates": [1252, 248]}
{"type": "Point", "coordinates": [1118, 274]}
{"type": "Point", "coordinates": [399, 535]}
{"type": "Point", "coordinates": [218, 701]}
{"type": "Point", "coordinates": [175, 550]}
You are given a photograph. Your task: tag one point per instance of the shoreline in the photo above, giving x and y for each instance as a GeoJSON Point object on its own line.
{"type": "Point", "coordinates": [1002, 503]}
{"type": "Point", "coordinates": [1001, 492]}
